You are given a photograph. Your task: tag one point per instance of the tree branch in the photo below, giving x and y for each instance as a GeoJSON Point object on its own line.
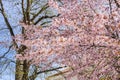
{"type": "Point", "coordinates": [117, 4]}
{"type": "Point", "coordinates": [45, 22]}
{"type": "Point", "coordinates": [34, 75]}
{"type": "Point", "coordinates": [3, 29]}
{"type": "Point", "coordinates": [110, 6]}
{"type": "Point", "coordinates": [0, 9]}
{"type": "Point", "coordinates": [28, 11]}
{"type": "Point", "coordinates": [10, 60]}
{"type": "Point", "coordinates": [50, 70]}
{"type": "Point", "coordinates": [44, 17]}
{"type": "Point", "coordinates": [4, 68]}
{"type": "Point", "coordinates": [6, 20]}
{"type": "Point", "coordinates": [23, 11]}
{"type": "Point", "coordinates": [6, 52]}
{"type": "Point", "coordinates": [40, 11]}
{"type": "Point", "coordinates": [8, 24]}
{"type": "Point", "coordinates": [97, 45]}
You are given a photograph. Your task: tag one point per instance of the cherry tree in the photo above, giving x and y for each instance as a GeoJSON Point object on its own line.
{"type": "Point", "coordinates": [85, 37]}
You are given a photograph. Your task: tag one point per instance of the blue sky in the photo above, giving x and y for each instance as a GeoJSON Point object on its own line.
{"type": "Point", "coordinates": [14, 16]}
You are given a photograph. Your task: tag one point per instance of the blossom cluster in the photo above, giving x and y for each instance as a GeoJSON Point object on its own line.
{"type": "Point", "coordinates": [84, 37]}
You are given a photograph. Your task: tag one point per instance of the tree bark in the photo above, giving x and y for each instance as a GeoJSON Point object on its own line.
{"type": "Point", "coordinates": [18, 72]}
{"type": "Point", "coordinates": [28, 12]}
{"type": "Point", "coordinates": [25, 70]}
{"type": "Point", "coordinates": [22, 70]}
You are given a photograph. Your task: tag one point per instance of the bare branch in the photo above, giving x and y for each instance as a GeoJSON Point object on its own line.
{"type": "Point", "coordinates": [7, 23]}
{"type": "Point", "coordinates": [28, 11]}
{"type": "Point", "coordinates": [45, 17]}
{"type": "Point", "coordinates": [6, 52]}
{"type": "Point", "coordinates": [23, 11]}
{"type": "Point", "coordinates": [40, 11]}
{"type": "Point", "coordinates": [50, 70]}
{"type": "Point", "coordinates": [110, 6]}
{"type": "Point", "coordinates": [3, 29]}
{"type": "Point", "coordinates": [97, 45]}
{"type": "Point", "coordinates": [8, 28]}
{"type": "Point", "coordinates": [6, 20]}
{"type": "Point", "coordinates": [10, 60]}
{"type": "Point", "coordinates": [5, 68]}
{"type": "Point", "coordinates": [45, 23]}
